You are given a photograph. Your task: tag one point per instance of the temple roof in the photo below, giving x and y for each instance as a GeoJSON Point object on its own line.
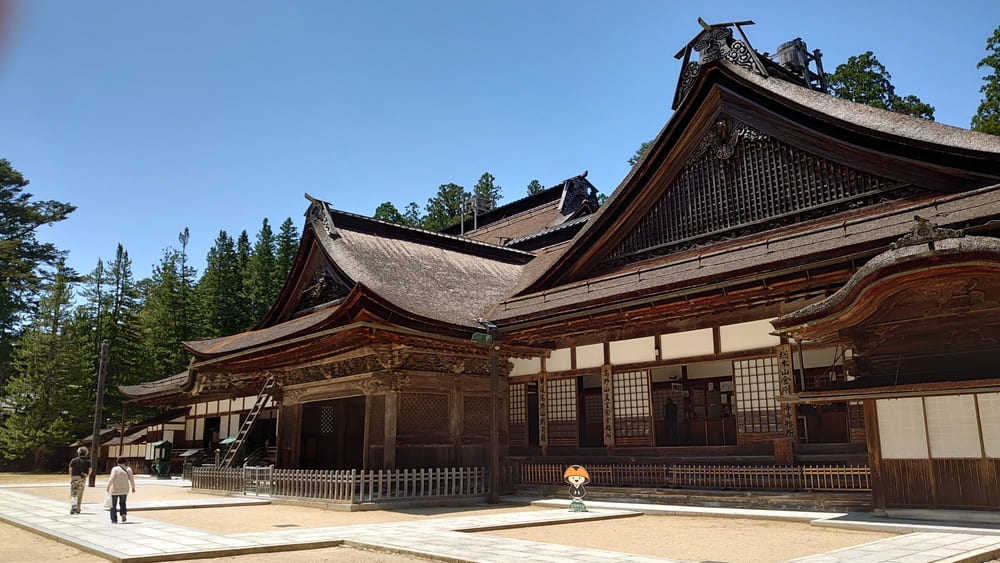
{"type": "Point", "coordinates": [729, 107]}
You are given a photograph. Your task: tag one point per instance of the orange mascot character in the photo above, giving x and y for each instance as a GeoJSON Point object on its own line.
{"type": "Point", "coordinates": [577, 477]}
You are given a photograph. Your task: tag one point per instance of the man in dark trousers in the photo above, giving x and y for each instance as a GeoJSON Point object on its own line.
{"type": "Point", "coordinates": [79, 472]}
{"type": "Point", "coordinates": [670, 419]}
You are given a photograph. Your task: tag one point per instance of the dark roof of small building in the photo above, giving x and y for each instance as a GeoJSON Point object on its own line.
{"type": "Point", "coordinates": [518, 220]}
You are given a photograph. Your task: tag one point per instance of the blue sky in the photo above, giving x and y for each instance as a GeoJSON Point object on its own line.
{"type": "Point", "coordinates": [155, 116]}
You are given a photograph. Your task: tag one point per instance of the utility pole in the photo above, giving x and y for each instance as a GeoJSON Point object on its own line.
{"type": "Point", "coordinates": [98, 410]}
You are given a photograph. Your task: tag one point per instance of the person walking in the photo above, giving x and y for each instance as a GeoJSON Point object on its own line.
{"type": "Point", "coordinates": [119, 483]}
{"type": "Point", "coordinates": [79, 471]}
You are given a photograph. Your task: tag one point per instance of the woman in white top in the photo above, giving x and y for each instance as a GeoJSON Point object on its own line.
{"type": "Point", "coordinates": [118, 486]}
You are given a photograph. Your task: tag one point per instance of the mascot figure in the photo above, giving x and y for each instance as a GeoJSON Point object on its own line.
{"type": "Point", "coordinates": [576, 476]}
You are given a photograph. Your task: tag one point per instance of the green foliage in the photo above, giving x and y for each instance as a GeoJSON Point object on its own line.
{"type": "Point", "coordinates": [169, 313]}
{"type": "Point", "coordinates": [23, 258]}
{"type": "Point", "coordinates": [535, 187]}
{"type": "Point", "coordinates": [261, 274]}
{"type": "Point", "coordinates": [634, 159]}
{"type": "Point", "coordinates": [987, 118]}
{"type": "Point", "coordinates": [387, 212]}
{"type": "Point", "coordinates": [445, 209]}
{"type": "Point", "coordinates": [286, 246]}
{"type": "Point", "coordinates": [865, 80]}
{"type": "Point", "coordinates": [113, 306]}
{"type": "Point", "coordinates": [219, 290]}
{"type": "Point", "coordinates": [487, 190]}
{"type": "Point", "coordinates": [48, 396]}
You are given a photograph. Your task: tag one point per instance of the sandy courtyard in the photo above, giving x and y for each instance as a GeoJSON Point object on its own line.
{"type": "Point", "coordinates": [678, 537]}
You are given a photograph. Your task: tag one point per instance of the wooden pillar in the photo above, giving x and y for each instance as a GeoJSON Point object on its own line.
{"type": "Point", "coordinates": [874, 457]}
{"type": "Point", "coordinates": [391, 418]}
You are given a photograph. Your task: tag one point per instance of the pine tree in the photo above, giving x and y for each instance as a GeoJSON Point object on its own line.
{"type": "Point", "coordinates": [168, 313]}
{"type": "Point", "coordinates": [113, 303]}
{"type": "Point", "coordinates": [259, 291]}
{"type": "Point", "coordinates": [48, 395]}
{"type": "Point", "coordinates": [246, 317]}
{"type": "Point", "coordinates": [286, 246]}
{"type": "Point", "coordinates": [219, 290]}
{"type": "Point", "coordinates": [487, 190]}
{"type": "Point", "coordinates": [23, 258]}
{"type": "Point", "coordinates": [865, 80]}
{"type": "Point", "coordinates": [445, 208]}
{"type": "Point", "coordinates": [535, 187]}
{"type": "Point", "coordinates": [987, 118]}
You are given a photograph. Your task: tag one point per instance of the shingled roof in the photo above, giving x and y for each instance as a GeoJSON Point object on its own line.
{"type": "Point", "coordinates": [923, 160]}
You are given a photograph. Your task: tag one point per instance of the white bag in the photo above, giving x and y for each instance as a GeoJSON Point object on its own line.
{"type": "Point", "coordinates": [107, 500]}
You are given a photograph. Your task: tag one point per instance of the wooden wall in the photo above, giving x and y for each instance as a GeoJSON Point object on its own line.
{"type": "Point", "coordinates": [941, 483]}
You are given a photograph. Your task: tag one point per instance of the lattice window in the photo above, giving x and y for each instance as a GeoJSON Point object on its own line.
{"type": "Point", "coordinates": [423, 412]}
{"type": "Point", "coordinates": [749, 183]}
{"type": "Point", "coordinates": [633, 420]}
{"type": "Point", "coordinates": [517, 415]}
{"type": "Point", "coordinates": [476, 416]}
{"type": "Point", "coordinates": [327, 420]}
{"type": "Point", "coordinates": [563, 428]}
{"type": "Point", "coordinates": [856, 415]}
{"type": "Point", "coordinates": [757, 385]}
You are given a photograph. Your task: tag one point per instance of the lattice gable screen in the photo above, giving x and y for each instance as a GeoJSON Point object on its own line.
{"type": "Point", "coordinates": [739, 181]}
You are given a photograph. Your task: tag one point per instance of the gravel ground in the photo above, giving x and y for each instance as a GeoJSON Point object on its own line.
{"type": "Point", "coordinates": [680, 537]}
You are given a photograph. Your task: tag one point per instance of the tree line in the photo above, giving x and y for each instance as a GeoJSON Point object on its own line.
{"type": "Point", "coordinates": [449, 205]}
{"type": "Point", "coordinates": [53, 319]}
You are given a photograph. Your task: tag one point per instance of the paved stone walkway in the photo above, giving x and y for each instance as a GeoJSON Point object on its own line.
{"type": "Point", "coordinates": [145, 539]}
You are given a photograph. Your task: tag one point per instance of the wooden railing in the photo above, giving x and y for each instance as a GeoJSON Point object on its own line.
{"type": "Point", "coordinates": [348, 486]}
{"type": "Point", "coordinates": [748, 477]}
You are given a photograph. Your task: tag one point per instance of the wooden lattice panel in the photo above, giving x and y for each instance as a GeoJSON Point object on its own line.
{"type": "Point", "coordinates": [517, 415]}
{"type": "Point", "coordinates": [327, 420]}
{"type": "Point", "coordinates": [633, 417]}
{"type": "Point", "coordinates": [562, 412]}
{"type": "Point", "coordinates": [740, 181]}
{"type": "Point", "coordinates": [476, 416]}
{"type": "Point", "coordinates": [421, 413]}
{"type": "Point", "coordinates": [757, 385]}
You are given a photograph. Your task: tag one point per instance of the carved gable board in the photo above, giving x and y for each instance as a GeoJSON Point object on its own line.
{"type": "Point", "coordinates": [738, 159]}
{"type": "Point", "coordinates": [314, 280]}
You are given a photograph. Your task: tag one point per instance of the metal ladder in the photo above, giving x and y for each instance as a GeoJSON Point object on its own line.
{"type": "Point", "coordinates": [241, 437]}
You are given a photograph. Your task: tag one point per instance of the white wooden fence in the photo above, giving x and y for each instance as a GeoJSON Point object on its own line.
{"type": "Point", "coordinates": [743, 477]}
{"type": "Point", "coordinates": [347, 486]}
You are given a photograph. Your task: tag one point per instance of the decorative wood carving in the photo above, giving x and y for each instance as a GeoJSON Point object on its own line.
{"type": "Point", "coordinates": [381, 382]}
{"type": "Point", "coordinates": [925, 232]}
{"type": "Point", "coordinates": [715, 44]}
{"type": "Point", "coordinates": [318, 212]}
{"type": "Point", "coordinates": [446, 364]}
{"type": "Point", "coordinates": [324, 287]}
{"type": "Point", "coordinates": [740, 181]}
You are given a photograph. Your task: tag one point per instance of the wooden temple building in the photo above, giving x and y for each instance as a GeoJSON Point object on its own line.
{"type": "Point", "coordinates": [783, 277]}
